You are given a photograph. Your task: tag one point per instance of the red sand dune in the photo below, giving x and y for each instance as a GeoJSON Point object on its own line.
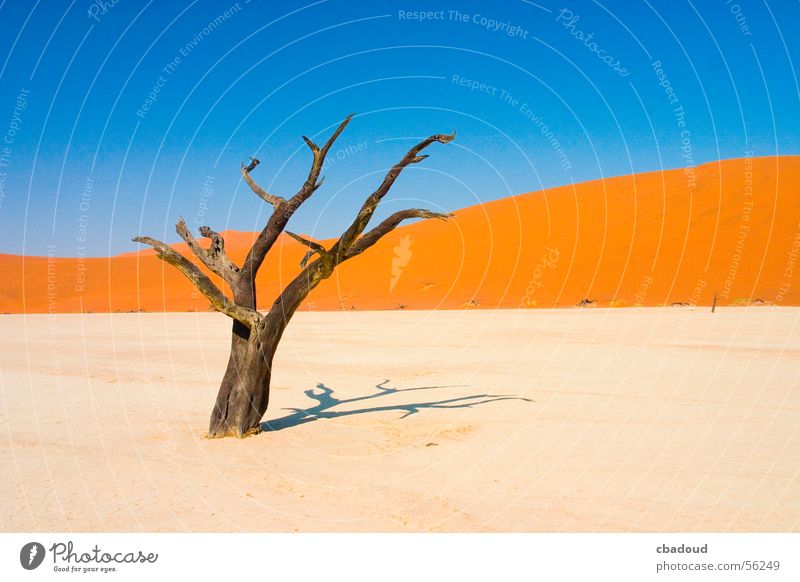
{"type": "Point", "coordinates": [657, 238]}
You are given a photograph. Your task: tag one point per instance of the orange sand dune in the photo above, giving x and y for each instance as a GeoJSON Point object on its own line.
{"type": "Point", "coordinates": [647, 239]}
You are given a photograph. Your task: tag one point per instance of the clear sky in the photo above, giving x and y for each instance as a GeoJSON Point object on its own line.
{"type": "Point", "coordinates": [116, 118]}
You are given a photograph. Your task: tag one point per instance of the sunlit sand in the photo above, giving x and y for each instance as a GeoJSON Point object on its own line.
{"type": "Point", "coordinates": [647, 419]}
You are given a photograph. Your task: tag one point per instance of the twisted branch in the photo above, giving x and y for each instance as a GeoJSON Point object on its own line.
{"type": "Point", "coordinates": [263, 194]}
{"type": "Point", "coordinates": [248, 317]}
{"type": "Point", "coordinates": [214, 257]}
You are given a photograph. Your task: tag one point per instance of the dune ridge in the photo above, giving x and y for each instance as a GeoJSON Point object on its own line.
{"type": "Point", "coordinates": [657, 238]}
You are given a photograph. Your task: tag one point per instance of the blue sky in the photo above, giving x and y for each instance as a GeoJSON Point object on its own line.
{"type": "Point", "coordinates": [118, 118]}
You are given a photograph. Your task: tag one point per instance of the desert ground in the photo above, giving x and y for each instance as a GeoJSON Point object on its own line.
{"type": "Point", "coordinates": [641, 419]}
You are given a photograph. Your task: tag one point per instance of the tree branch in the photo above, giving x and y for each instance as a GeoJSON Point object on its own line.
{"type": "Point", "coordinates": [316, 248]}
{"type": "Point", "coordinates": [219, 301]}
{"type": "Point", "coordinates": [372, 236]}
{"type": "Point", "coordinates": [297, 290]}
{"type": "Point", "coordinates": [371, 203]}
{"type": "Point", "coordinates": [214, 257]}
{"type": "Point", "coordinates": [263, 194]}
{"type": "Point", "coordinates": [217, 249]}
{"type": "Point", "coordinates": [283, 212]}
{"type": "Point", "coordinates": [312, 183]}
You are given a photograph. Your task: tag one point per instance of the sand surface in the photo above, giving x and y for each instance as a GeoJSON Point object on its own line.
{"type": "Point", "coordinates": [651, 239]}
{"type": "Point", "coordinates": [652, 419]}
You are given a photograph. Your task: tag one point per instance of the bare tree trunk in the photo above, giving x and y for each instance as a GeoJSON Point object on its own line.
{"type": "Point", "coordinates": [243, 395]}
{"type": "Point", "coordinates": [246, 380]}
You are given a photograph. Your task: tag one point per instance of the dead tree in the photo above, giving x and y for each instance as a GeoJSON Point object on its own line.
{"type": "Point", "coordinates": [244, 392]}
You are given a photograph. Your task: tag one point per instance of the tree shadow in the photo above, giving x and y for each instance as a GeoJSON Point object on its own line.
{"type": "Point", "coordinates": [326, 401]}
